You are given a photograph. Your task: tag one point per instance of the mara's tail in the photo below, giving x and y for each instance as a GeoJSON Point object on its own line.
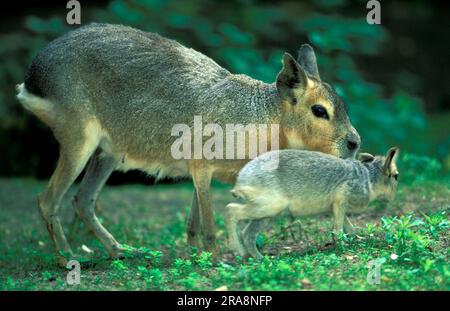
{"type": "Point", "coordinates": [41, 107]}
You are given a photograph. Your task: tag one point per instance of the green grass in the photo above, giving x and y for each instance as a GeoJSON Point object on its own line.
{"type": "Point", "coordinates": [411, 236]}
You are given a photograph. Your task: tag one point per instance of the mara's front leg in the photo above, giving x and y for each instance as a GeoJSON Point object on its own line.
{"type": "Point", "coordinates": [201, 176]}
{"type": "Point", "coordinates": [193, 224]}
{"type": "Point", "coordinates": [339, 209]}
{"type": "Point", "coordinates": [348, 226]}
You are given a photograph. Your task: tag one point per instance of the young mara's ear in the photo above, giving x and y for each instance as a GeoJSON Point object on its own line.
{"type": "Point", "coordinates": [307, 60]}
{"type": "Point", "coordinates": [365, 157]}
{"type": "Point", "coordinates": [390, 166]}
{"type": "Point", "coordinates": [291, 77]}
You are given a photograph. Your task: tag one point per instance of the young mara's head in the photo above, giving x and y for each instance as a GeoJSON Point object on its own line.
{"type": "Point", "coordinates": [383, 173]}
{"type": "Point", "coordinates": [314, 116]}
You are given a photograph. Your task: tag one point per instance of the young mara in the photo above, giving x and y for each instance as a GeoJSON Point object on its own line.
{"type": "Point", "coordinates": [306, 183]}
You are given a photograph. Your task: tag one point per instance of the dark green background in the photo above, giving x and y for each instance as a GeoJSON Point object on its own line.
{"type": "Point", "coordinates": [393, 76]}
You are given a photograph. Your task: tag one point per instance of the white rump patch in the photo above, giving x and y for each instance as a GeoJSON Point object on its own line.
{"type": "Point", "coordinates": [32, 102]}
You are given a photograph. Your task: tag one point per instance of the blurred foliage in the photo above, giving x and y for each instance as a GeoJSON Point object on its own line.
{"type": "Point", "coordinates": [245, 36]}
{"type": "Point", "coordinates": [418, 168]}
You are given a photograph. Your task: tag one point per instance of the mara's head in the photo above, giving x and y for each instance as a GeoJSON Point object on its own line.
{"type": "Point", "coordinates": [383, 173]}
{"type": "Point", "coordinates": [313, 117]}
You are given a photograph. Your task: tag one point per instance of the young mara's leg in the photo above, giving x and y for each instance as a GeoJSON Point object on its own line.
{"type": "Point", "coordinates": [232, 220]}
{"type": "Point", "coordinates": [250, 233]}
{"type": "Point", "coordinates": [339, 216]}
{"type": "Point", "coordinates": [249, 211]}
{"type": "Point", "coordinates": [193, 225]}
{"type": "Point", "coordinates": [348, 226]}
{"type": "Point", "coordinates": [75, 151]}
{"type": "Point", "coordinates": [99, 169]}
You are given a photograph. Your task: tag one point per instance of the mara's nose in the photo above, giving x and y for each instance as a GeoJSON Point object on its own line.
{"type": "Point", "coordinates": [353, 140]}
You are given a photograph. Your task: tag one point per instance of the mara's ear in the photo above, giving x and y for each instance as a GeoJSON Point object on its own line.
{"type": "Point", "coordinates": [291, 77]}
{"type": "Point", "coordinates": [365, 157]}
{"type": "Point", "coordinates": [390, 166]}
{"type": "Point", "coordinates": [307, 60]}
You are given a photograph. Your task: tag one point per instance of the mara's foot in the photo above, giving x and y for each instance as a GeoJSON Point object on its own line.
{"type": "Point", "coordinates": [193, 241]}
{"type": "Point", "coordinates": [209, 244]}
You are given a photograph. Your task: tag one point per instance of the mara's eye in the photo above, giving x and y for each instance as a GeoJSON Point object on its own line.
{"type": "Point", "coordinates": [320, 112]}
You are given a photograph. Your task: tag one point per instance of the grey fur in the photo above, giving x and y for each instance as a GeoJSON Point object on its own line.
{"type": "Point", "coordinates": [306, 183]}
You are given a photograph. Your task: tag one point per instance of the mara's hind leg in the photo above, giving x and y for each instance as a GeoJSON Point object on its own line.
{"type": "Point", "coordinates": [232, 220]}
{"type": "Point", "coordinates": [249, 235]}
{"type": "Point", "coordinates": [99, 169]}
{"type": "Point", "coordinates": [74, 153]}
{"type": "Point", "coordinates": [264, 207]}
